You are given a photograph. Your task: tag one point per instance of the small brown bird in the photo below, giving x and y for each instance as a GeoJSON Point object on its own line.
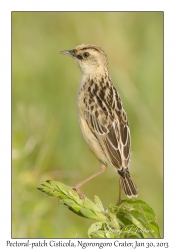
{"type": "Point", "coordinates": [102, 118]}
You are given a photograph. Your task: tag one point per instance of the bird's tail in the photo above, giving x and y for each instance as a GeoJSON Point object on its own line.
{"type": "Point", "coordinates": [127, 183]}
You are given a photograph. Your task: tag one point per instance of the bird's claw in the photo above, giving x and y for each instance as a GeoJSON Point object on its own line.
{"type": "Point", "coordinates": [82, 196]}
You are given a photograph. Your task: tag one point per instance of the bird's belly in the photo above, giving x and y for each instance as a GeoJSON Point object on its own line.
{"type": "Point", "coordinates": [92, 141]}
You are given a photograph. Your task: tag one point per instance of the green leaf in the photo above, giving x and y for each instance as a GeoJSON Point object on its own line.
{"type": "Point", "coordinates": [100, 230]}
{"type": "Point", "coordinates": [139, 214]}
{"type": "Point", "coordinates": [155, 229]}
{"type": "Point", "coordinates": [70, 198]}
{"type": "Point", "coordinates": [130, 231]}
{"type": "Point", "coordinates": [127, 219]}
{"type": "Point", "coordinates": [112, 210]}
{"type": "Point", "coordinates": [88, 213]}
{"type": "Point", "coordinates": [98, 203]}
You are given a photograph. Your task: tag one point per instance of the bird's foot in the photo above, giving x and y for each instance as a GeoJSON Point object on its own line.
{"type": "Point", "coordinates": [119, 199]}
{"type": "Point", "coordinates": [82, 196]}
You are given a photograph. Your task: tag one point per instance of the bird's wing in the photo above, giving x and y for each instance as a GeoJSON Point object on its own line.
{"type": "Point", "coordinates": [107, 120]}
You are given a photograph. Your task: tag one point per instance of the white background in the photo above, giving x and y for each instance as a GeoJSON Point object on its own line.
{"type": "Point", "coordinates": [5, 97]}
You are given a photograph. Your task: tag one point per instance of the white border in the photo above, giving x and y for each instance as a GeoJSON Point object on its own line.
{"type": "Point", "coordinates": [5, 95]}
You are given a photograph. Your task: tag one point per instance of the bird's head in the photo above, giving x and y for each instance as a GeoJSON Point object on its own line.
{"type": "Point", "coordinates": [90, 58]}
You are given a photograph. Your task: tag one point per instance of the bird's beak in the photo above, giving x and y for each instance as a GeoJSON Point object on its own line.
{"type": "Point", "coordinates": [68, 53]}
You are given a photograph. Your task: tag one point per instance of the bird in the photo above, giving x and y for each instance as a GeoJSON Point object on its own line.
{"type": "Point", "coordinates": [102, 117]}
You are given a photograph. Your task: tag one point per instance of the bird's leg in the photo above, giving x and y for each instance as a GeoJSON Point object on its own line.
{"type": "Point", "coordinates": [119, 195]}
{"type": "Point", "coordinates": [77, 187]}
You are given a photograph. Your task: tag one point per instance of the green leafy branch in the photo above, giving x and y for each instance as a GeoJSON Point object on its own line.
{"type": "Point", "coordinates": [127, 219]}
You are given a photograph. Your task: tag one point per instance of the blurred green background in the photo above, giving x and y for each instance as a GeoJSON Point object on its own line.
{"type": "Point", "coordinates": [46, 139]}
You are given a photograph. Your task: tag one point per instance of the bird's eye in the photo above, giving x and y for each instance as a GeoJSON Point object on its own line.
{"type": "Point", "coordinates": [86, 54]}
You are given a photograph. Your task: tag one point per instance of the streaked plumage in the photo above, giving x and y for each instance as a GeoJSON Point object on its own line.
{"type": "Point", "coordinates": [102, 118]}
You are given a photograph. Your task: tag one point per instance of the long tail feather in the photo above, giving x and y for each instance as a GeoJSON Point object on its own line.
{"type": "Point", "coordinates": [127, 183]}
